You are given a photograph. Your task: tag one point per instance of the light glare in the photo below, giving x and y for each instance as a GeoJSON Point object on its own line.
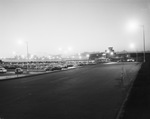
{"type": "Point", "coordinates": [132, 46]}
{"type": "Point", "coordinates": [133, 25]}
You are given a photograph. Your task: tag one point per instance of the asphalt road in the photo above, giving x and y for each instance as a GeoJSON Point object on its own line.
{"type": "Point", "coordinates": [90, 92]}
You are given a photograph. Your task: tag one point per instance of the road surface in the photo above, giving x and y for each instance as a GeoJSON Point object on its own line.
{"type": "Point", "coordinates": [90, 92]}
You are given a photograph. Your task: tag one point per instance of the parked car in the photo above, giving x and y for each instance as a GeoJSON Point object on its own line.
{"type": "Point", "coordinates": [130, 60]}
{"type": "Point", "coordinates": [48, 69]}
{"type": "Point", "coordinates": [56, 68]}
{"type": "Point", "coordinates": [64, 66]}
{"type": "Point", "coordinates": [3, 70]}
{"type": "Point", "coordinates": [70, 65]}
{"type": "Point", "coordinates": [81, 64]}
{"type": "Point", "coordinates": [18, 71]}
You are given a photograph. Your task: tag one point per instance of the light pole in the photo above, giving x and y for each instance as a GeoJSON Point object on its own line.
{"type": "Point", "coordinates": [27, 56]}
{"type": "Point", "coordinates": [143, 31]}
{"type": "Point", "coordinates": [133, 25]}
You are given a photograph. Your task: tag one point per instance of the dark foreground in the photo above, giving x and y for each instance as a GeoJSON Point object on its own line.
{"type": "Point", "coordinates": [92, 92]}
{"type": "Point", "coordinates": [138, 103]}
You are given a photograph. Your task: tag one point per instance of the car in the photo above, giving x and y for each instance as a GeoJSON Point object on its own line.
{"type": "Point", "coordinates": [3, 70]}
{"type": "Point", "coordinates": [64, 66]}
{"type": "Point", "coordinates": [18, 71]}
{"type": "Point", "coordinates": [130, 60]}
{"type": "Point", "coordinates": [48, 69]}
{"type": "Point", "coordinates": [56, 68]}
{"type": "Point", "coordinates": [81, 64]}
{"type": "Point", "coordinates": [70, 65]}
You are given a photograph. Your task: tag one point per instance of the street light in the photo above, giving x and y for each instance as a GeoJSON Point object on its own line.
{"type": "Point", "coordinates": [143, 31]}
{"type": "Point", "coordinates": [132, 46]}
{"type": "Point", "coordinates": [88, 57]}
{"type": "Point", "coordinates": [21, 42]}
{"type": "Point", "coordinates": [112, 53]}
{"type": "Point", "coordinates": [133, 25]}
{"type": "Point", "coordinates": [27, 56]}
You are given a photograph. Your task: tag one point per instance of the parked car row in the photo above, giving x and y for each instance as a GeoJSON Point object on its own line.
{"type": "Point", "coordinates": [19, 67]}
{"type": "Point", "coordinates": [54, 68]}
{"type": "Point", "coordinates": [17, 70]}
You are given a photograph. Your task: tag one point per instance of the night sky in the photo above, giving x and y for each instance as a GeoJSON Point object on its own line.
{"type": "Point", "coordinates": [72, 26]}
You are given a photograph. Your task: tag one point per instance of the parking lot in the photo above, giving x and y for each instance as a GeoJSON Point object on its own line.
{"type": "Point", "coordinates": [38, 67]}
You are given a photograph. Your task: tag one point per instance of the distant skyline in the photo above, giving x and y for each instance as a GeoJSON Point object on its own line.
{"type": "Point", "coordinates": [71, 26]}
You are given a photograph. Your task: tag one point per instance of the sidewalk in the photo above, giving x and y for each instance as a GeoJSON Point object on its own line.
{"type": "Point", "coordinates": [138, 103]}
{"type": "Point", "coordinates": [12, 75]}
